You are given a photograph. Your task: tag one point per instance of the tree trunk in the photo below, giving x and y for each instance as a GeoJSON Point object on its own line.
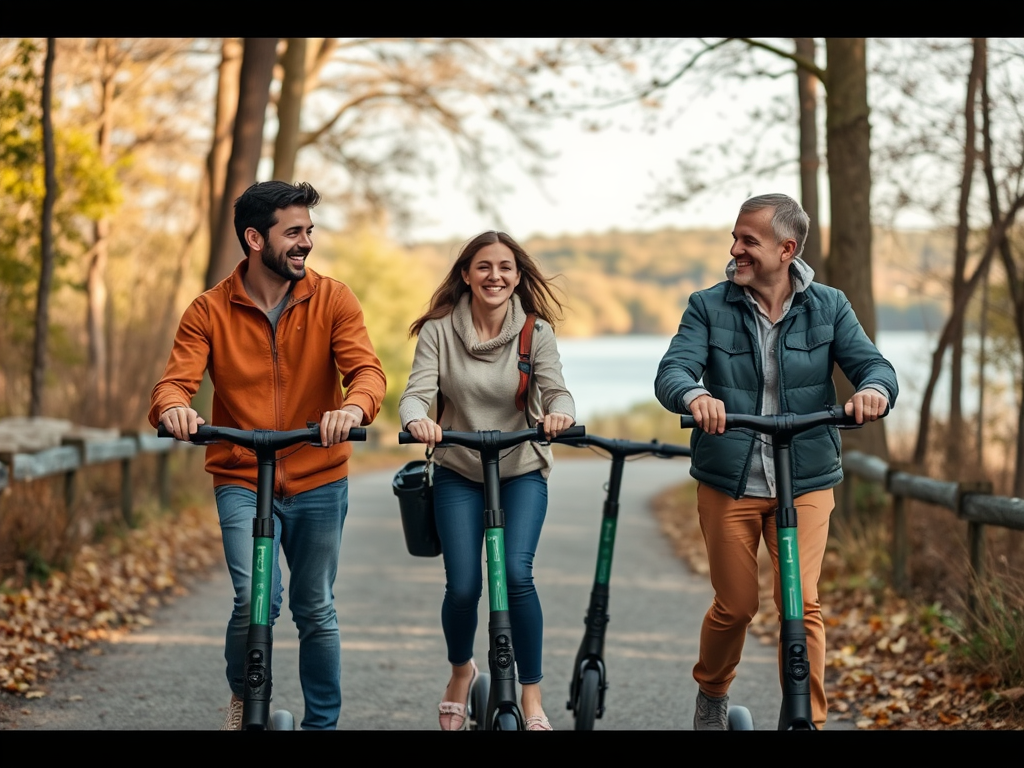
{"type": "Point", "coordinates": [955, 434]}
{"type": "Point", "coordinates": [810, 163]}
{"type": "Point", "coordinates": [257, 71]}
{"type": "Point", "coordinates": [289, 109]}
{"type": "Point", "coordinates": [224, 123]}
{"type": "Point", "coordinates": [95, 409]}
{"type": "Point", "coordinates": [848, 137]}
{"type": "Point", "coordinates": [42, 329]}
{"type": "Point", "coordinates": [997, 234]}
{"type": "Point", "coordinates": [1014, 281]}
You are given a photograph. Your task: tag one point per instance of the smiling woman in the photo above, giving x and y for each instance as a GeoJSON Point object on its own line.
{"type": "Point", "coordinates": [467, 358]}
{"type": "Point", "coordinates": [492, 276]}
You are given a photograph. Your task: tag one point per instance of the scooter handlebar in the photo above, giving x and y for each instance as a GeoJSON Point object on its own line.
{"type": "Point", "coordinates": [833, 416]}
{"type": "Point", "coordinates": [406, 438]}
{"type": "Point", "coordinates": [206, 433]}
{"type": "Point", "coordinates": [630, 447]}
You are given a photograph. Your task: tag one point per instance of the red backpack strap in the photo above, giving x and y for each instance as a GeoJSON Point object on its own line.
{"type": "Point", "coordinates": [525, 364]}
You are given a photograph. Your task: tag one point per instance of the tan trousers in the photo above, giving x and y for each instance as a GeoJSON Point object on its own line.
{"type": "Point", "coordinates": [732, 529]}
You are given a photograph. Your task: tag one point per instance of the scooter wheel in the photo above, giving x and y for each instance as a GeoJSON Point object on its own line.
{"type": "Point", "coordinates": [586, 705]}
{"type": "Point", "coordinates": [506, 721]}
{"type": "Point", "coordinates": [282, 720]}
{"type": "Point", "coordinates": [478, 702]}
{"type": "Point", "coordinates": [740, 719]}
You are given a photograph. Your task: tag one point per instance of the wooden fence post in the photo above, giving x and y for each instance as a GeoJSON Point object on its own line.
{"type": "Point", "coordinates": [900, 541]}
{"type": "Point", "coordinates": [975, 539]}
{"type": "Point", "coordinates": [164, 479]}
{"type": "Point", "coordinates": [127, 511]}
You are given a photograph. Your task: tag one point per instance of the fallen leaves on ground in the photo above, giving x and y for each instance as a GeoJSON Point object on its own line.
{"type": "Point", "coordinates": [889, 664]}
{"type": "Point", "coordinates": [112, 589]}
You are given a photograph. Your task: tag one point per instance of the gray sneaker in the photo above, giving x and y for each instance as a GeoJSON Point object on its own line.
{"type": "Point", "coordinates": [712, 714]}
{"type": "Point", "coordinates": [233, 718]}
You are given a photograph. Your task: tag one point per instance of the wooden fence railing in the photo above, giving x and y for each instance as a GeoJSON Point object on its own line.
{"type": "Point", "coordinates": [972, 502]}
{"type": "Point", "coordinates": [76, 452]}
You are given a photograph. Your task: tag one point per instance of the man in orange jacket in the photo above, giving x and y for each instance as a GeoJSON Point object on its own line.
{"type": "Point", "coordinates": [275, 337]}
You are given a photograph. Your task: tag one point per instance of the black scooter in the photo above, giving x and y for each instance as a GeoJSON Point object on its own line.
{"type": "Point", "coordinates": [256, 715]}
{"type": "Point", "coordinates": [795, 714]}
{"type": "Point", "coordinates": [589, 674]}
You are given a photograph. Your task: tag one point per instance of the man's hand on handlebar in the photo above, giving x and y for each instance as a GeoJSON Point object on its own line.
{"type": "Point", "coordinates": [181, 421]}
{"type": "Point", "coordinates": [334, 426]}
{"type": "Point", "coordinates": [709, 414]}
{"type": "Point", "coordinates": [867, 405]}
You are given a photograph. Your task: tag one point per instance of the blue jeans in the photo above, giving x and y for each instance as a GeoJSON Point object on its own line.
{"type": "Point", "coordinates": [308, 527]}
{"type": "Point", "coordinates": [459, 510]}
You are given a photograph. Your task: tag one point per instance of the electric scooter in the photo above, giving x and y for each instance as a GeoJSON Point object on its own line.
{"type": "Point", "coordinates": [795, 714]}
{"type": "Point", "coordinates": [589, 681]}
{"type": "Point", "coordinates": [493, 704]}
{"type": "Point", "coordinates": [256, 715]}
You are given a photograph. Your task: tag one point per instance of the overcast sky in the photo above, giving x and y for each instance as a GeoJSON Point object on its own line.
{"type": "Point", "coordinates": [608, 178]}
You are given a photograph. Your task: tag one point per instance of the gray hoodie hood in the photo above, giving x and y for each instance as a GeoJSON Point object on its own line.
{"type": "Point", "coordinates": [800, 274]}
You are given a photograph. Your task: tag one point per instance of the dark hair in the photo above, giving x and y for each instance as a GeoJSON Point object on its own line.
{"type": "Point", "coordinates": [259, 204]}
{"type": "Point", "coordinates": [535, 291]}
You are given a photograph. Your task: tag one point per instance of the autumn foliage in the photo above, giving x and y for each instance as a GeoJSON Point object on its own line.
{"type": "Point", "coordinates": [111, 589]}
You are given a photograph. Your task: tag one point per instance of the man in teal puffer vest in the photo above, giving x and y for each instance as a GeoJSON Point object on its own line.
{"type": "Point", "coordinates": [764, 342]}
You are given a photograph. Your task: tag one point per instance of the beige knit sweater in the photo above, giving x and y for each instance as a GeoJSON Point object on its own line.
{"type": "Point", "coordinates": [479, 381]}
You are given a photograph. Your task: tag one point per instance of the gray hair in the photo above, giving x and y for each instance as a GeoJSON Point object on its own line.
{"type": "Point", "coordinates": [789, 221]}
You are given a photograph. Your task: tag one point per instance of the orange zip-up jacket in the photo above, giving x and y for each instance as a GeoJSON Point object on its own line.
{"type": "Point", "coordinates": [267, 381]}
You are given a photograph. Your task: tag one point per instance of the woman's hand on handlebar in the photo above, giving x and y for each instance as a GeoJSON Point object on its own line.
{"type": "Point", "coordinates": [555, 424]}
{"type": "Point", "coordinates": [334, 425]}
{"type": "Point", "coordinates": [709, 414]}
{"type": "Point", "coordinates": [181, 421]}
{"type": "Point", "coordinates": [425, 431]}
{"type": "Point", "coordinates": [867, 405]}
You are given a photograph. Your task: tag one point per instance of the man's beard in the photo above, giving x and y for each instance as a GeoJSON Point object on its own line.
{"type": "Point", "coordinates": [278, 263]}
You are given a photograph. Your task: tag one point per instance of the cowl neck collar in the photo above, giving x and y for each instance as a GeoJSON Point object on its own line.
{"type": "Point", "coordinates": [462, 322]}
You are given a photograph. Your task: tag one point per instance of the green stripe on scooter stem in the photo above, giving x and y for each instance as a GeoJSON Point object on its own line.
{"type": "Point", "coordinates": [494, 541]}
{"type": "Point", "coordinates": [604, 551]}
{"type": "Point", "coordinates": [262, 579]}
{"type": "Point", "coordinates": [789, 575]}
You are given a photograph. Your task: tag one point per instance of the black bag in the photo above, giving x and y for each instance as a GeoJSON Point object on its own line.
{"type": "Point", "coordinates": [416, 501]}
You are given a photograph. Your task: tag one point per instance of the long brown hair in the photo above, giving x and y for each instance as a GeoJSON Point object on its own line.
{"type": "Point", "coordinates": [535, 291]}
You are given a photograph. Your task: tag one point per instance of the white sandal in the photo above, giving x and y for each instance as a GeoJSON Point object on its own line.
{"type": "Point", "coordinates": [538, 723]}
{"type": "Point", "coordinates": [451, 715]}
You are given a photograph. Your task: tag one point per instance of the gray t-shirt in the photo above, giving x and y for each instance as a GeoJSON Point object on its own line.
{"type": "Point", "coordinates": [274, 314]}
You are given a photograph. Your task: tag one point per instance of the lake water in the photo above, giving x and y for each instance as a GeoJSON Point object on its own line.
{"type": "Point", "coordinates": [608, 374]}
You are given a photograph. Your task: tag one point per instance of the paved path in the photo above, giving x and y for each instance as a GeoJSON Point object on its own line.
{"type": "Point", "coordinates": [393, 664]}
